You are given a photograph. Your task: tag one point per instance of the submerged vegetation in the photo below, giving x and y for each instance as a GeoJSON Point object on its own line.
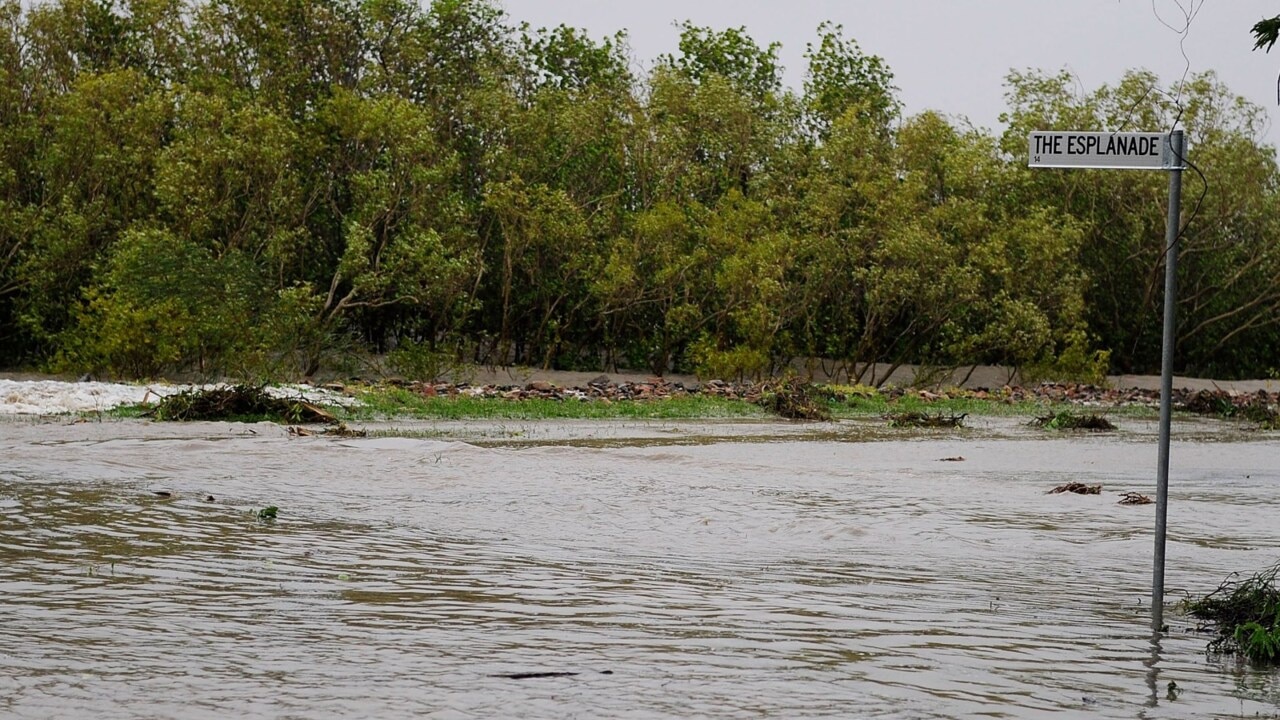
{"type": "Point", "coordinates": [1077, 488]}
{"type": "Point", "coordinates": [1246, 616]}
{"type": "Point", "coordinates": [796, 400]}
{"type": "Point", "coordinates": [239, 402]}
{"type": "Point", "coordinates": [265, 188]}
{"type": "Point", "coordinates": [925, 420]}
{"type": "Point", "coordinates": [1259, 408]}
{"type": "Point", "coordinates": [1068, 420]}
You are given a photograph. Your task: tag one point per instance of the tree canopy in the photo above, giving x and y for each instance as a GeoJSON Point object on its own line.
{"type": "Point", "coordinates": [268, 187]}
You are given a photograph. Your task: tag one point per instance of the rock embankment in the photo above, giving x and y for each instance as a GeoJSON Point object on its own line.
{"type": "Point", "coordinates": [1218, 402]}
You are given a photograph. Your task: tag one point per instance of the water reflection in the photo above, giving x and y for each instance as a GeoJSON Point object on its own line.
{"type": "Point", "coordinates": [786, 579]}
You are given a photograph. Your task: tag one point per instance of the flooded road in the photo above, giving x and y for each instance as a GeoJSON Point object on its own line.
{"type": "Point", "coordinates": [723, 571]}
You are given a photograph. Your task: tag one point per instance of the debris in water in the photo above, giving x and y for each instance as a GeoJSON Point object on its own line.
{"type": "Point", "coordinates": [1133, 498]}
{"type": "Point", "coordinates": [162, 493]}
{"type": "Point", "coordinates": [209, 498]}
{"type": "Point", "coordinates": [925, 420]}
{"type": "Point", "coordinates": [268, 513]}
{"type": "Point", "coordinates": [341, 430]}
{"type": "Point", "coordinates": [543, 674]}
{"type": "Point", "coordinates": [794, 399]}
{"type": "Point", "coordinates": [237, 402]}
{"type": "Point", "coordinates": [957, 458]}
{"type": "Point", "coordinates": [1078, 488]}
{"type": "Point", "coordinates": [1246, 614]}
{"type": "Point", "coordinates": [1067, 420]}
{"type": "Point", "coordinates": [1260, 407]}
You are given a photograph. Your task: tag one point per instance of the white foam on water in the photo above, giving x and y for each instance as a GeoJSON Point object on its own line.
{"type": "Point", "coordinates": [56, 397]}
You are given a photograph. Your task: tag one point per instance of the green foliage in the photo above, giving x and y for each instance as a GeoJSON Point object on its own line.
{"type": "Point", "coordinates": [729, 54]}
{"type": "Point", "coordinates": [1246, 615]}
{"type": "Point", "coordinates": [161, 304]}
{"type": "Point", "coordinates": [1076, 363]}
{"type": "Point", "coordinates": [262, 187]}
{"type": "Point", "coordinates": [841, 78]}
{"type": "Point", "coordinates": [419, 361]}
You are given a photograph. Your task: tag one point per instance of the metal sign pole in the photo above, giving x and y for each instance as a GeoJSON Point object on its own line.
{"type": "Point", "coordinates": [1171, 233]}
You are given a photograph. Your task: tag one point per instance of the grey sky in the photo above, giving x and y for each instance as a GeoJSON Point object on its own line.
{"type": "Point", "coordinates": [952, 55]}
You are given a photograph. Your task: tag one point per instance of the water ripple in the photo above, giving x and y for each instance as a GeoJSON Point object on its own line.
{"type": "Point", "coordinates": [782, 579]}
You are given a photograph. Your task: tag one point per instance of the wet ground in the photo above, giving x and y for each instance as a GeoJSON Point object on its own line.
{"type": "Point", "coordinates": [679, 569]}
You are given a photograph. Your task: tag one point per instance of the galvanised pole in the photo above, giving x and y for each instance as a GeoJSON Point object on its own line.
{"type": "Point", "coordinates": [1171, 233]}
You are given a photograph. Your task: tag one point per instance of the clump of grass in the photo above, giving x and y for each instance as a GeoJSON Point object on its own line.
{"type": "Point", "coordinates": [926, 420]}
{"type": "Point", "coordinates": [268, 514]}
{"type": "Point", "coordinates": [1067, 420]}
{"type": "Point", "coordinates": [1267, 416]}
{"type": "Point", "coordinates": [796, 400]}
{"type": "Point", "coordinates": [1246, 613]}
{"type": "Point", "coordinates": [238, 402]}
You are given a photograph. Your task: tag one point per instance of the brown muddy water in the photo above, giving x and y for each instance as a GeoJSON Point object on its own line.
{"type": "Point", "coordinates": [714, 570]}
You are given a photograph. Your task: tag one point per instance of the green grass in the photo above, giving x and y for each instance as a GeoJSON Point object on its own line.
{"type": "Point", "coordinates": [383, 402]}
{"type": "Point", "coordinates": [879, 405]}
{"type": "Point", "coordinates": [379, 403]}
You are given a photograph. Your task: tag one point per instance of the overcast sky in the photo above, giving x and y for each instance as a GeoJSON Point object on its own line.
{"type": "Point", "coordinates": [952, 55]}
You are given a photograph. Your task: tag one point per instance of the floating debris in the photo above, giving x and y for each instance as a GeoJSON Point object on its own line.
{"type": "Point", "coordinates": [1246, 616]}
{"type": "Point", "coordinates": [925, 420]}
{"type": "Point", "coordinates": [542, 674]}
{"type": "Point", "coordinates": [268, 513]}
{"type": "Point", "coordinates": [1067, 420]}
{"type": "Point", "coordinates": [1133, 498]}
{"type": "Point", "coordinates": [341, 430]}
{"type": "Point", "coordinates": [235, 403]}
{"type": "Point", "coordinates": [162, 493]}
{"type": "Point", "coordinates": [1078, 488]}
{"type": "Point", "coordinates": [957, 458]}
{"type": "Point", "coordinates": [794, 399]}
{"type": "Point", "coordinates": [1261, 407]}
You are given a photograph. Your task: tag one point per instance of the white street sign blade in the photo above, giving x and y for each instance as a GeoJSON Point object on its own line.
{"type": "Point", "coordinates": [1104, 150]}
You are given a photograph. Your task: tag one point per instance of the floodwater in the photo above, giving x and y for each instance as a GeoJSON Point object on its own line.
{"type": "Point", "coordinates": [710, 570]}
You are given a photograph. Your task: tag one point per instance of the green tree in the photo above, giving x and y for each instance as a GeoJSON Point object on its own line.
{"type": "Point", "coordinates": [162, 304]}
{"type": "Point", "coordinates": [841, 77]}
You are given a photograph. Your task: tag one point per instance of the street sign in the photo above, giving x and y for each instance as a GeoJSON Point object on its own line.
{"type": "Point", "coordinates": [1103, 150]}
{"type": "Point", "coordinates": [1137, 151]}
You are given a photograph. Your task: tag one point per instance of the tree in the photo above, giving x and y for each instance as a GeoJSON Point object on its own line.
{"type": "Point", "coordinates": [1266, 32]}
{"type": "Point", "coordinates": [1228, 307]}
{"type": "Point", "coordinates": [840, 76]}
